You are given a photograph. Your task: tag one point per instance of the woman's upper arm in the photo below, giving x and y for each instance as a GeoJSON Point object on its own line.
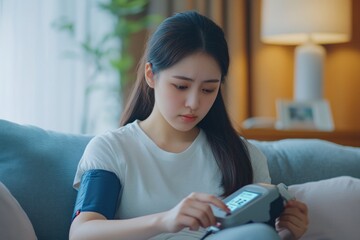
{"type": "Point", "coordinates": [87, 216]}
{"type": "Point", "coordinates": [82, 218]}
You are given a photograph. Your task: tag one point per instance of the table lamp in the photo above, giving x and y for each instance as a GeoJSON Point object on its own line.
{"type": "Point", "coordinates": [306, 23]}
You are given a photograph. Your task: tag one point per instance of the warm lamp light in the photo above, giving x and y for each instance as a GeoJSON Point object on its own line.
{"type": "Point", "coordinates": [308, 23]}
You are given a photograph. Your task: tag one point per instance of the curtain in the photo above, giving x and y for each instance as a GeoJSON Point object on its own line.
{"type": "Point", "coordinates": [231, 15]}
{"type": "Point", "coordinates": [39, 83]}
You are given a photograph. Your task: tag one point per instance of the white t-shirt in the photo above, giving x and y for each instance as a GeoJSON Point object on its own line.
{"type": "Point", "coordinates": [154, 180]}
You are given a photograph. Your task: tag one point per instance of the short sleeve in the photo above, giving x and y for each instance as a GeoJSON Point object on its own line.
{"type": "Point", "coordinates": [259, 164]}
{"type": "Point", "coordinates": [98, 154]}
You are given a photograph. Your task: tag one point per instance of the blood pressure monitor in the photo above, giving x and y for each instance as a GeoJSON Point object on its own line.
{"type": "Point", "coordinates": [261, 203]}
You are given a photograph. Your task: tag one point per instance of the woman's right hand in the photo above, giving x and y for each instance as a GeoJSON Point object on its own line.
{"type": "Point", "coordinates": [193, 212]}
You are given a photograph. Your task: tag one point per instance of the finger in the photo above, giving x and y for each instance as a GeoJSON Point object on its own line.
{"type": "Point", "coordinates": [294, 220]}
{"type": "Point", "coordinates": [295, 215]}
{"type": "Point", "coordinates": [200, 210]}
{"type": "Point", "coordinates": [291, 219]}
{"type": "Point", "coordinates": [297, 204]}
{"type": "Point", "coordinates": [293, 212]}
{"type": "Point", "coordinates": [205, 218]}
{"type": "Point", "coordinates": [190, 222]}
{"type": "Point", "coordinates": [299, 210]}
{"type": "Point", "coordinates": [297, 231]}
{"type": "Point", "coordinates": [211, 199]}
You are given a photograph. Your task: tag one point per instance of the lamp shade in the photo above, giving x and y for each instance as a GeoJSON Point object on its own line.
{"type": "Point", "coordinates": [293, 22]}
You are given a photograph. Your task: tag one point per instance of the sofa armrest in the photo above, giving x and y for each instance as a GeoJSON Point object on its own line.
{"type": "Point", "coordinates": [38, 168]}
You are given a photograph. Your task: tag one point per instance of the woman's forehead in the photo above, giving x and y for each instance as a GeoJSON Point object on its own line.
{"type": "Point", "coordinates": [196, 66]}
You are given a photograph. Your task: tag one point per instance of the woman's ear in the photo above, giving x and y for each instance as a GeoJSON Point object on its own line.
{"type": "Point", "coordinates": [149, 75]}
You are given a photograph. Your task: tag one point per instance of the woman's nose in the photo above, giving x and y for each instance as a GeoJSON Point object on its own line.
{"type": "Point", "coordinates": [192, 100]}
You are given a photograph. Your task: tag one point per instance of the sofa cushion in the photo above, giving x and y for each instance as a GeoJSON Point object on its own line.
{"type": "Point", "coordinates": [333, 206]}
{"type": "Point", "coordinates": [14, 223]}
{"type": "Point", "coordinates": [38, 168]}
{"type": "Point", "coordinates": [295, 161]}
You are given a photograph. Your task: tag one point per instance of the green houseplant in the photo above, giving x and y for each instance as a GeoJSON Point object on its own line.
{"type": "Point", "coordinates": [130, 21]}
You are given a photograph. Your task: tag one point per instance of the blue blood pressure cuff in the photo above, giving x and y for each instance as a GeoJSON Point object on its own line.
{"type": "Point", "coordinates": [99, 192]}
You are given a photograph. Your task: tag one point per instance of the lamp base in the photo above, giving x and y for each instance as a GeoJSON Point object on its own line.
{"type": "Point", "coordinates": [309, 65]}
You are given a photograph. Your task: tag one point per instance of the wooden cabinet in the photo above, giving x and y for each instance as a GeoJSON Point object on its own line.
{"type": "Point", "coordinates": [348, 138]}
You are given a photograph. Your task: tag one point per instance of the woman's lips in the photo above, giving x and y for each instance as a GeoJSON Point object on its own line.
{"type": "Point", "coordinates": [188, 118]}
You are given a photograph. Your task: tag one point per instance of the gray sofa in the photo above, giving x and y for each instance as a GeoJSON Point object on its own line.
{"type": "Point", "coordinates": [38, 167]}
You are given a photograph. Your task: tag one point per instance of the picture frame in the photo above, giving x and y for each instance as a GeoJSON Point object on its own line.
{"type": "Point", "coordinates": [312, 115]}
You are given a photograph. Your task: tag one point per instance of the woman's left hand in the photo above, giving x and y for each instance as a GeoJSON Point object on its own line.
{"type": "Point", "coordinates": [294, 218]}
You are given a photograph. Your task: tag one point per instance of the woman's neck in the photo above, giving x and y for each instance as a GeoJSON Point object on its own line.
{"type": "Point", "coordinates": [165, 136]}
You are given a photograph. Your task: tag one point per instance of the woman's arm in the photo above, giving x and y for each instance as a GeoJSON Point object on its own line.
{"type": "Point", "coordinates": [92, 225]}
{"type": "Point", "coordinates": [193, 212]}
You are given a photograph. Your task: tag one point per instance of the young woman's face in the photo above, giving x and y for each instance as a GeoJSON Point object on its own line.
{"type": "Point", "coordinates": [185, 92]}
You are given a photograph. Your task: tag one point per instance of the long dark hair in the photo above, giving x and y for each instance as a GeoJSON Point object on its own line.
{"type": "Point", "coordinates": [177, 37]}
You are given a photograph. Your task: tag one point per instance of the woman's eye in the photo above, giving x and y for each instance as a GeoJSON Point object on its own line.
{"type": "Point", "coordinates": [208, 90]}
{"type": "Point", "coordinates": [180, 87]}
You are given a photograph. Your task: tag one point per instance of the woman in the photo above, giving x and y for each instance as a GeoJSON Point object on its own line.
{"type": "Point", "coordinates": [176, 153]}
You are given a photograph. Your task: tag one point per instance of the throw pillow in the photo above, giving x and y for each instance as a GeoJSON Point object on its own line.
{"type": "Point", "coordinates": [334, 207]}
{"type": "Point", "coordinates": [14, 223]}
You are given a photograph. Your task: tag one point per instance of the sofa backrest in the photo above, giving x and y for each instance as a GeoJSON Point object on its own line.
{"type": "Point", "coordinates": [296, 161]}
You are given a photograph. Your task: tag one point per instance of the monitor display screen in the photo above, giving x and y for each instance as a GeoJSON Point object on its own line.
{"type": "Point", "coordinates": [242, 199]}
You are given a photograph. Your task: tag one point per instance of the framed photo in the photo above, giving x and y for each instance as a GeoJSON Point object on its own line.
{"type": "Point", "coordinates": [314, 115]}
